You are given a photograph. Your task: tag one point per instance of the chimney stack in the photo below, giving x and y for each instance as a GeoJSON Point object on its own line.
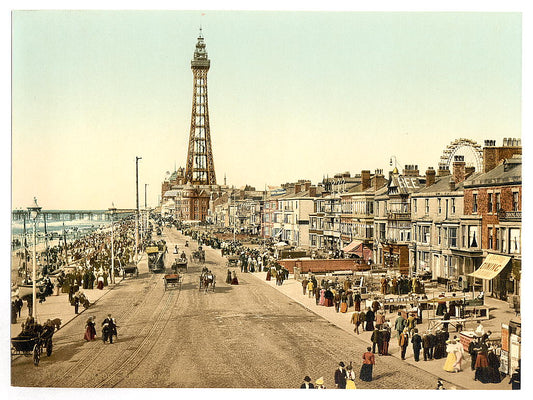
{"type": "Point", "coordinates": [430, 176]}
{"type": "Point", "coordinates": [312, 191]}
{"type": "Point", "coordinates": [307, 185]}
{"type": "Point", "coordinates": [443, 170]}
{"type": "Point", "coordinates": [365, 179]}
{"type": "Point", "coordinates": [493, 155]}
{"type": "Point", "coordinates": [297, 188]}
{"type": "Point", "coordinates": [451, 183]}
{"type": "Point", "coordinates": [469, 171]}
{"type": "Point", "coordinates": [459, 169]}
{"type": "Point", "coordinates": [411, 170]}
{"type": "Point", "coordinates": [379, 179]}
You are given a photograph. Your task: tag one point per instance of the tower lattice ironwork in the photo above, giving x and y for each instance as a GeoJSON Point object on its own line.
{"type": "Point", "coordinates": [200, 168]}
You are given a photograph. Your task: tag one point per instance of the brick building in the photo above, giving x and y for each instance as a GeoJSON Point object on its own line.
{"type": "Point", "coordinates": [495, 198]}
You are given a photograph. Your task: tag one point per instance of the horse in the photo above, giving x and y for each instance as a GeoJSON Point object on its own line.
{"type": "Point", "coordinates": [207, 280]}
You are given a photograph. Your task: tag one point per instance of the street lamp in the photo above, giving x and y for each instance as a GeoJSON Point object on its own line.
{"type": "Point", "coordinates": [112, 211]}
{"type": "Point", "coordinates": [34, 211]}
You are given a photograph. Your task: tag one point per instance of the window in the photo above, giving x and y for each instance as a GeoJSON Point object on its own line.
{"type": "Point", "coordinates": [489, 203]}
{"type": "Point", "coordinates": [474, 203]}
{"type": "Point", "coordinates": [415, 207]}
{"type": "Point", "coordinates": [440, 206]}
{"type": "Point", "coordinates": [453, 206]}
{"type": "Point", "coordinates": [498, 203]}
{"type": "Point", "coordinates": [452, 237]}
{"type": "Point", "coordinates": [504, 240]}
{"type": "Point", "coordinates": [427, 206]}
{"type": "Point", "coordinates": [426, 234]}
{"type": "Point", "coordinates": [515, 201]}
{"type": "Point", "coordinates": [497, 239]}
{"type": "Point", "coordinates": [473, 236]}
{"type": "Point", "coordinates": [490, 238]}
{"type": "Point", "coordinates": [439, 237]}
{"type": "Point", "coordinates": [514, 241]}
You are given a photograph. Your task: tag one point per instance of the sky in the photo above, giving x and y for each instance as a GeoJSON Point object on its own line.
{"type": "Point", "coordinates": [292, 95]}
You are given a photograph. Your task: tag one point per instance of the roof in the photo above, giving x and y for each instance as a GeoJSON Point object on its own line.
{"type": "Point", "coordinates": [509, 172]}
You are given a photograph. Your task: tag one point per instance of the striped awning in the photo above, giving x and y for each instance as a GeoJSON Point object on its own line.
{"type": "Point", "coordinates": [491, 267]}
{"type": "Point", "coordinates": [352, 246]}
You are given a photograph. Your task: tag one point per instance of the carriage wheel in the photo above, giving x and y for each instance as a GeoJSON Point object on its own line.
{"type": "Point", "coordinates": [49, 348]}
{"type": "Point", "coordinates": [36, 354]}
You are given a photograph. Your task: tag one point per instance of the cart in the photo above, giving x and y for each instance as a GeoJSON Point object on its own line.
{"type": "Point", "coordinates": [232, 260]}
{"type": "Point", "coordinates": [32, 346]}
{"type": "Point", "coordinates": [179, 265]}
{"type": "Point", "coordinates": [172, 281]}
{"type": "Point", "coordinates": [130, 269]}
{"type": "Point", "coordinates": [199, 256]}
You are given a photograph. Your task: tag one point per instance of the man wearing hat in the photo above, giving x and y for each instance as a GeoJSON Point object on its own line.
{"type": "Point", "coordinates": [307, 384]}
{"type": "Point", "coordinates": [340, 377]}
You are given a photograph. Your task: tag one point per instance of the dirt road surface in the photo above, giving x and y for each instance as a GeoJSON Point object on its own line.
{"type": "Point", "coordinates": [245, 336]}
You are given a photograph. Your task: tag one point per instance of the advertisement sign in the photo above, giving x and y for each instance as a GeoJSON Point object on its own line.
{"type": "Point", "coordinates": [505, 337]}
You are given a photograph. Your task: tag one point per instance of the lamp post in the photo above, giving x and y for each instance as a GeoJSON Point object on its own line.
{"type": "Point", "coordinates": [34, 211]}
{"type": "Point", "coordinates": [137, 209]}
{"type": "Point", "coordinates": [112, 211]}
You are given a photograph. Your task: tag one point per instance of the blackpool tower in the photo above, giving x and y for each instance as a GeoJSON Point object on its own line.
{"type": "Point", "coordinates": [200, 168]}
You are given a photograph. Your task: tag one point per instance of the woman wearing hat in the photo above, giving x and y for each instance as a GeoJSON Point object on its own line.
{"type": "Point", "coordinates": [320, 383]}
{"type": "Point", "coordinates": [451, 359]}
{"type": "Point", "coordinates": [90, 330]}
{"type": "Point", "coordinates": [350, 377]}
{"type": "Point", "coordinates": [368, 364]}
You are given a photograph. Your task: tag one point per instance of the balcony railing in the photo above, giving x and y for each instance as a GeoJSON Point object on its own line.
{"type": "Point", "coordinates": [510, 215]}
{"type": "Point", "coordinates": [396, 215]}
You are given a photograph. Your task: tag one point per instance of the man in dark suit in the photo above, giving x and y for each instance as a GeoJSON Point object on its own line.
{"type": "Point", "coordinates": [416, 340]}
{"type": "Point", "coordinates": [307, 384]}
{"type": "Point", "coordinates": [340, 376]}
{"type": "Point", "coordinates": [426, 344]}
{"type": "Point", "coordinates": [110, 325]}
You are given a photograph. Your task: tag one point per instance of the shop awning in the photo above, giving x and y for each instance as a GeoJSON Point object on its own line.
{"type": "Point", "coordinates": [491, 267]}
{"type": "Point", "coordinates": [352, 246]}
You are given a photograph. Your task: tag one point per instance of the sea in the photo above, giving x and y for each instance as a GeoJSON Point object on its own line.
{"type": "Point", "coordinates": [73, 229]}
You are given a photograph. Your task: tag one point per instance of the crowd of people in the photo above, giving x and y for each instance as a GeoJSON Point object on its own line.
{"type": "Point", "coordinates": [427, 344]}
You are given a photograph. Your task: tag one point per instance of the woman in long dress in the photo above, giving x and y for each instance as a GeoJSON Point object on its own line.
{"type": "Point", "coordinates": [90, 330]}
{"type": "Point", "coordinates": [350, 378]}
{"type": "Point", "coordinates": [451, 359]}
{"type": "Point", "coordinates": [322, 300]}
{"type": "Point", "coordinates": [368, 364]}
{"type": "Point", "coordinates": [369, 317]}
{"type": "Point", "coordinates": [228, 277]}
{"type": "Point", "coordinates": [459, 355]}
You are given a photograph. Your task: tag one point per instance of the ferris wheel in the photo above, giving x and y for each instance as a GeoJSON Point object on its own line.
{"type": "Point", "coordinates": [459, 145]}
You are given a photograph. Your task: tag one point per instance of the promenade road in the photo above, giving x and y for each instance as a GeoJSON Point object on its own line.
{"type": "Point", "coordinates": [252, 335]}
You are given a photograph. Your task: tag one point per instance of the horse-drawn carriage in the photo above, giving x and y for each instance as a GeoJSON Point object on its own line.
{"type": "Point", "coordinates": [179, 265]}
{"type": "Point", "coordinates": [198, 255]}
{"type": "Point", "coordinates": [33, 345]}
{"type": "Point", "coordinates": [207, 281]}
{"type": "Point", "coordinates": [172, 281]}
{"type": "Point", "coordinates": [130, 269]}
{"type": "Point", "coordinates": [232, 260]}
